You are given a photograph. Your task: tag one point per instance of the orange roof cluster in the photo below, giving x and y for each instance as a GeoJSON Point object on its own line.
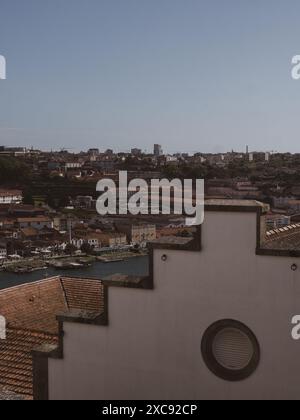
{"type": "Point", "coordinates": [10, 193]}
{"type": "Point", "coordinates": [36, 219]}
{"type": "Point", "coordinates": [16, 362]}
{"type": "Point", "coordinates": [30, 311]}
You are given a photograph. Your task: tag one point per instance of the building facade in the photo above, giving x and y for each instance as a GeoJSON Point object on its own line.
{"type": "Point", "coordinates": [157, 151]}
{"type": "Point", "coordinates": [38, 222]}
{"type": "Point", "coordinates": [212, 321]}
{"type": "Point", "coordinates": [11, 197]}
{"type": "Point", "coordinates": [137, 234]}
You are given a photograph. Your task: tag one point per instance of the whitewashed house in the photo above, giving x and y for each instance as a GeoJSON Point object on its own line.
{"type": "Point", "coordinates": [11, 196]}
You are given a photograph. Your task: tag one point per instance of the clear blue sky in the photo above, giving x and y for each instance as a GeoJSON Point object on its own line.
{"type": "Point", "coordinates": [195, 75]}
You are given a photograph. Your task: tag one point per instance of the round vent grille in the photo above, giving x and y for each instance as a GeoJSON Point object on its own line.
{"type": "Point", "coordinates": [230, 350]}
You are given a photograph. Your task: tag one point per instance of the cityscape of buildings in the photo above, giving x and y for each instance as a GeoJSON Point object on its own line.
{"type": "Point", "coordinates": [48, 199]}
{"type": "Point", "coordinates": [149, 203]}
{"type": "Point", "coordinates": [49, 221]}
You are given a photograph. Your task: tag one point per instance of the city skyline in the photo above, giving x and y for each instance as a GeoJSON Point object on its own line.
{"type": "Point", "coordinates": [194, 76]}
{"type": "Point", "coordinates": [155, 150]}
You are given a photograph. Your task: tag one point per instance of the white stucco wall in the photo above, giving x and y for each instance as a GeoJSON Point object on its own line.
{"type": "Point", "coordinates": [151, 348]}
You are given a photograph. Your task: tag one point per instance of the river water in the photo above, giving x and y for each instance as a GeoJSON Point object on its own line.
{"type": "Point", "coordinates": [133, 266]}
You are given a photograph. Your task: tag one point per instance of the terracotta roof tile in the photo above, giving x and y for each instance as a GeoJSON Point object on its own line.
{"type": "Point", "coordinates": [33, 219]}
{"type": "Point", "coordinates": [16, 359]}
{"type": "Point", "coordinates": [34, 306]}
{"type": "Point", "coordinates": [30, 311]}
{"type": "Point", "coordinates": [83, 294]}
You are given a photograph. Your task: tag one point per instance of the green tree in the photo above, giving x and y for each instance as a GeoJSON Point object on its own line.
{"type": "Point", "coordinates": [87, 248]}
{"type": "Point", "coordinates": [13, 170]}
{"type": "Point", "coordinates": [70, 249]}
{"type": "Point", "coordinates": [28, 198]}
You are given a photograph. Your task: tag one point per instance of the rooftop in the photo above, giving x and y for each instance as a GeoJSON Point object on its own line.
{"type": "Point", "coordinates": [28, 232]}
{"type": "Point", "coordinates": [285, 238]}
{"type": "Point", "coordinates": [16, 371]}
{"type": "Point", "coordinates": [236, 204]}
{"type": "Point", "coordinates": [30, 311]}
{"type": "Point", "coordinates": [10, 193]}
{"type": "Point", "coordinates": [33, 219]}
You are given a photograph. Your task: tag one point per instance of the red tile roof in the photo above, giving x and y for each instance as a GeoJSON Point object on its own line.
{"type": "Point", "coordinates": [10, 193]}
{"type": "Point", "coordinates": [85, 294]}
{"type": "Point", "coordinates": [16, 360]}
{"type": "Point", "coordinates": [30, 311]}
{"type": "Point", "coordinates": [34, 306]}
{"type": "Point", "coordinates": [35, 219]}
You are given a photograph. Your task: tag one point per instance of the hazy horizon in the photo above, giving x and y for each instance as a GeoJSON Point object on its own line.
{"type": "Point", "coordinates": [193, 76]}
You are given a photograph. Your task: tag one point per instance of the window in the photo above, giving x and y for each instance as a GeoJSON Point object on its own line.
{"type": "Point", "coordinates": [230, 350]}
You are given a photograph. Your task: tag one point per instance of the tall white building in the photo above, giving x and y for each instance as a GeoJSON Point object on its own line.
{"type": "Point", "coordinates": [158, 151]}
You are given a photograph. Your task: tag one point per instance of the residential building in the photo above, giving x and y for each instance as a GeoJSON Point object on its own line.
{"type": "Point", "coordinates": [112, 240]}
{"type": "Point", "coordinates": [109, 152]}
{"type": "Point", "coordinates": [99, 240]}
{"type": "Point", "coordinates": [246, 186]}
{"type": "Point", "coordinates": [137, 234]}
{"type": "Point", "coordinates": [198, 327]}
{"type": "Point", "coordinates": [78, 241]}
{"type": "Point", "coordinates": [64, 223]}
{"type": "Point", "coordinates": [259, 157]}
{"type": "Point", "coordinates": [38, 222]}
{"type": "Point", "coordinates": [211, 321]}
{"type": "Point", "coordinates": [136, 152]}
{"type": "Point", "coordinates": [294, 206]}
{"type": "Point", "coordinates": [3, 253]}
{"type": "Point", "coordinates": [13, 151]}
{"type": "Point", "coordinates": [54, 166]}
{"type": "Point", "coordinates": [72, 165]}
{"type": "Point", "coordinates": [84, 202]}
{"type": "Point", "coordinates": [179, 231]}
{"type": "Point", "coordinates": [171, 159]}
{"type": "Point", "coordinates": [275, 221]}
{"type": "Point", "coordinates": [10, 196]}
{"type": "Point", "coordinates": [284, 238]}
{"type": "Point", "coordinates": [282, 202]}
{"type": "Point", "coordinates": [94, 152]}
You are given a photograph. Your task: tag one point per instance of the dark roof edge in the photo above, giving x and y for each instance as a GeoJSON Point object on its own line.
{"type": "Point", "coordinates": [278, 252]}
{"type": "Point", "coordinates": [251, 207]}
{"type": "Point", "coordinates": [127, 281]}
{"type": "Point", "coordinates": [82, 317]}
{"type": "Point", "coordinates": [194, 245]}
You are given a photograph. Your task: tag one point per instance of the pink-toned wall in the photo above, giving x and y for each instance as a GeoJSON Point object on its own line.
{"type": "Point", "coordinates": [152, 346]}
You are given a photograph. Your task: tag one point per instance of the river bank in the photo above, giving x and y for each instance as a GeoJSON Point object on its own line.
{"type": "Point", "coordinates": [137, 266]}
{"type": "Point", "coordinates": [30, 265]}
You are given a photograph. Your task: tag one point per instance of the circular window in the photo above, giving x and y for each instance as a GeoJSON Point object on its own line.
{"type": "Point", "coordinates": [230, 350]}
